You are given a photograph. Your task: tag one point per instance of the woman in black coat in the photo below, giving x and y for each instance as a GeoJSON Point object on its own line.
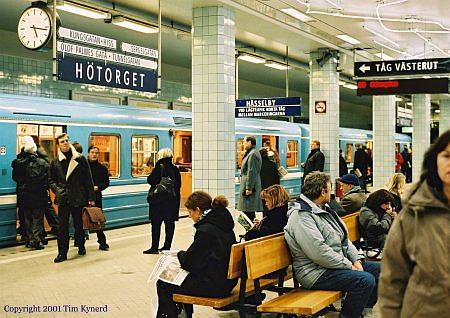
{"type": "Point", "coordinates": [166, 211]}
{"type": "Point", "coordinates": [276, 199]}
{"type": "Point", "coordinates": [207, 258]}
{"type": "Point", "coordinates": [269, 170]}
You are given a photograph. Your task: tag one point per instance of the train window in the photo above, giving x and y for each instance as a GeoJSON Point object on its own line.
{"type": "Point", "coordinates": [44, 136]}
{"type": "Point", "coordinates": [143, 155]}
{"type": "Point", "coordinates": [240, 152]}
{"type": "Point", "coordinates": [349, 153]}
{"type": "Point", "coordinates": [292, 154]}
{"type": "Point", "coordinates": [109, 152]}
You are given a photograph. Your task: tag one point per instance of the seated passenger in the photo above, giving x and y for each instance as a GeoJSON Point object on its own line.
{"type": "Point", "coordinates": [207, 258]}
{"type": "Point", "coordinates": [276, 199]}
{"type": "Point", "coordinates": [323, 257]}
{"type": "Point", "coordinates": [376, 217]}
{"type": "Point", "coordinates": [396, 186]}
{"type": "Point", "coordinates": [354, 196]}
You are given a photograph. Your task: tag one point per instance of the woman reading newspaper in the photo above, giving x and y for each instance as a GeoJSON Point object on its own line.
{"type": "Point", "coordinates": [207, 258]}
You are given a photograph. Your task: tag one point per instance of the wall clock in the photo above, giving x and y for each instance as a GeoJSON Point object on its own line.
{"type": "Point", "coordinates": [35, 26]}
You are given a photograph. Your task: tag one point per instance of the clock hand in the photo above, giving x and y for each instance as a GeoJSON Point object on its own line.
{"type": "Point", "coordinates": [34, 28]}
{"type": "Point", "coordinates": [40, 28]}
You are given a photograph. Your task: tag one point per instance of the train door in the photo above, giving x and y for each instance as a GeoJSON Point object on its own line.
{"type": "Point", "coordinates": [44, 136]}
{"type": "Point", "coordinates": [182, 157]}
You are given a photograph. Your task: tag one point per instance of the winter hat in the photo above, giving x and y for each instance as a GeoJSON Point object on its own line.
{"type": "Point", "coordinates": [28, 144]}
{"type": "Point", "coordinates": [349, 179]}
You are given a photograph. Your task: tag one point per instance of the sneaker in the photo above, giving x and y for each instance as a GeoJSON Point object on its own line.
{"type": "Point", "coordinates": [81, 251]}
{"type": "Point", "coordinates": [103, 247]}
{"type": "Point", "coordinates": [151, 251]}
{"type": "Point", "coordinates": [60, 258]}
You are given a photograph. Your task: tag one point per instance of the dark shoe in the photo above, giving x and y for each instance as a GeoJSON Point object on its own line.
{"type": "Point", "coordinates": [164, 249]}
{"type": "Point", "coordinates": [38, 246]}
{"type": "Point", "coordinates": [44, 241]}
{"type": "Point", "coordinates": [81, 251]}
{"type": "Point", "coordinates": [151, 251]}
{"type": "Point", "coordinates": [104, 247]}
{"type": "Point", "coordinates": [60, 258]}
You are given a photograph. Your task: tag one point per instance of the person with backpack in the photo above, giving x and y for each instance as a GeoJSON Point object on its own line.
{"type": "Point", "coordinates": [31, 174]}
{"type": "Point", "coordinates": [167, 209]}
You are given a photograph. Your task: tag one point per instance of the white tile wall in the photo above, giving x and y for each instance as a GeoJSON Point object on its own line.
{"type": "Point", "coordinates": [213, 87]}
{"type": "Point", "coordinates": [383, 139]}
{"type": "Point", "coordinates": [324, 86]}
{"type": "Point", "coordinates": [444, 116]}
{"type": "Point", "coordinates": [421, 131]}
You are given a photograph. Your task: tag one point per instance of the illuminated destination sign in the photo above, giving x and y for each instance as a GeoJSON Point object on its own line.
{"type": "Point", "coordinates": [268, 107]}
{"type": "Point", "coordinates": [404, 86]}
{"type": "Point", "coordinates": [402, 67]}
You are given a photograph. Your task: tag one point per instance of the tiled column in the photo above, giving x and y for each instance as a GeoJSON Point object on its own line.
{"type": "Point", "coordinates": [421, 107]}
{"type": "Point", "coordinates": [213, 89]}
{"type": "Point", "coordinates": [324, 86]}
{"type": "Point", "coordinates": [383, 139]}
{"type": "Point", "coordinates": [444, 116]}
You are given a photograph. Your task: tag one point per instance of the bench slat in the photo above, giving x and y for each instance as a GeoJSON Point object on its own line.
{"type": "Point", "coordinates": [301, 302]}
{"type": "Point", "coordinates": [351, 221]}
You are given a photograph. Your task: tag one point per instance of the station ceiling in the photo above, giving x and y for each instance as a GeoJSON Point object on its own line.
{"type": "Point", "coordinates": [400, 29]}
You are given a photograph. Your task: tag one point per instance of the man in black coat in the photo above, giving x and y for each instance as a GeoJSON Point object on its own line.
{"type": "Point", "coordinates": [70, 179]}
{"type": "Point", "coordinates": [315, 160]}
{"type": "Point", "coordinates": [100, 177]}
{"type": "Point", "coordinates": [31, 174]}
{"type": "Point", "coordinates": [361, 162]}
{"type": "Point", "coordinates": [168, 210]}
{"type": "Point", "coordinates": [342, 164]}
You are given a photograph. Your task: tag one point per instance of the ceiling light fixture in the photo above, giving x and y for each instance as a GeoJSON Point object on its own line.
{"type": "Point", "coordinates": [384, 56]}
{"type": "Point", "coordinates": [392, 49]}
{"type": "Point", "coordinates": [297, 14]}
{"type": "Point", "coordinates": [350, 86]}
{"type": "Point", "coordinates": [381, 36]}
{"type": "Point", "coordinates": [398, 99]}
{"type": "Point", "coordinates": [133, 25]}
{"type": "Point", "coordinates": [437, 111]}
{"type": "Point", "coordinates": [348, 39]}
{"type": "Point", "coordinates": [251, 58]}
{"type": "Point", "coordinates": [81, 10]}
{"type": "Point", "coordinates": [276, 65]}
{"type": "Point", "coordinates": [431, 43]}
{"type": "Point", "coordinates": [335, 4]}
{"type": "Point", "coordinates": [422, 54]}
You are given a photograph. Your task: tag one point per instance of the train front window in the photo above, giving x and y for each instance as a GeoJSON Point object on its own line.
{"type": "Point", "coordinates": [292, 154]}
{"type": "Point", "coordinates": [109, 154]}
{"type": "Point", "coordinates": [143, 155]}
{"type": "Point", "coordinates": [43, 135]}
{"type": "Point", "coordinates": [349, 153]}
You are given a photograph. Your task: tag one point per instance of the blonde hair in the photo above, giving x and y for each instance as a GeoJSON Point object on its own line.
{"type": "Point", "coordinates": [165, 153]}
{"type": "Point", "coordinates": [275, 196]}
{"type": "Point", "coordinates": [397, 183]}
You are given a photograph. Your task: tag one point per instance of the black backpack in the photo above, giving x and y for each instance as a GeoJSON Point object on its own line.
{"type": "Point", "coordinates": [36, 172]}
{"type": "Point", "coordinates": [163, 191]}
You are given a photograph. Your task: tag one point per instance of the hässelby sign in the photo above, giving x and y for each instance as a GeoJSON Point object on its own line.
{"type": "Point", "coordinates": [268, 107]}
{"type": "Point", "coordinates": [92, 59]}
{"type": "Point", "coordinates": [402, 67]}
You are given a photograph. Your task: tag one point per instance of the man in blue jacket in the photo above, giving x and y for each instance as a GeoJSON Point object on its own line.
{"type": "Point", "coordinates": [323, 257]}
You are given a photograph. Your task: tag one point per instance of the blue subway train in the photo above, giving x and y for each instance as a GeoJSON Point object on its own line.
{"type": "Point", "coordinates": [129, 139]}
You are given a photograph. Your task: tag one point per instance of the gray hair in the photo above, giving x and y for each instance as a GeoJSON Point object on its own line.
{"type": "Point", "coordinates": [165, 153]}
{"type": "Point", "coordinates": [314, 184]}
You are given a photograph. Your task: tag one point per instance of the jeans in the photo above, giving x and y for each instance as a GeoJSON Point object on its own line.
{"type": "Point", "coordinates": [361, 287]}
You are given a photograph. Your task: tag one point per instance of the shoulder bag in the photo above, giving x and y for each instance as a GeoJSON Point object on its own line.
{"type": "Point", "coordinates": [164, 190]}
{"type": "Point", "coordinates": [93, 218]}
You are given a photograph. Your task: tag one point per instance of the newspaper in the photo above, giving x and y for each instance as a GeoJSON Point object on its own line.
{"type": "Point", "coordinates": [245, 221]}
{"type": "Point", "coordinates": [168, 269]}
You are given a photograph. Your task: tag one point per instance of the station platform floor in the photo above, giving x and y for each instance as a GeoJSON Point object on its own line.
{"type": "Point", "coordinates": [116, 278]}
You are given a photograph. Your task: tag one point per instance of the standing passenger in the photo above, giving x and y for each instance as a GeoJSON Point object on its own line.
{"type": "Point", "coordinates": [361, 164]}
{"type": "Point", "coordinates": [342, 164]}
{"type": "Point", "coordinates": [101, 182]}
{"type": "Point", "coordinates": [269, 171]}
{"type": "Point", "coordinates": [250, 185]}
{"type": "Point", "coordinates": [272, 153]}
{"type": "Point", "coordinates": [315, 160]}
{"type": "Point", "coordinates": [415, 279]}
{"type": "Point", "coordinates": [70, 179]}
{"type": "Point", "coordinates": [166, 211]}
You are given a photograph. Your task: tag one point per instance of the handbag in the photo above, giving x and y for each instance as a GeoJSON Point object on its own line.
{"type": "Point", "coordinates": [163, 191]}
{"type": "Point", "coordinates": [93, 218]}
{"type": "Point", "coordinates": [282, 171]}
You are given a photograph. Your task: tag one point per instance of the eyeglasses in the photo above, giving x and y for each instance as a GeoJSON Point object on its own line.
{"type": "Point", "coordinates": [64, 141]}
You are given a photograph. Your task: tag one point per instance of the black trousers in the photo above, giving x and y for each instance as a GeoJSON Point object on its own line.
{"type": "Point", "coordinates": [63, 229]}
{"type": "Point", "coordinates": [22, 229]}
{"type": "Point", "coordinates": [101, 237]}
{"type": "Point", "coordinates": [169, 226]}
{"type": "Point", "coordinates": [34, 218]}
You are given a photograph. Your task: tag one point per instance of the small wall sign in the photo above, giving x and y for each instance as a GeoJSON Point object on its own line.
{"type": "Point", "coordinates": [320, 106]}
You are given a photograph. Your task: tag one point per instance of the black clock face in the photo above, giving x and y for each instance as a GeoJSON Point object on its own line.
{"type": "Point", "coordinates": [34, 28]}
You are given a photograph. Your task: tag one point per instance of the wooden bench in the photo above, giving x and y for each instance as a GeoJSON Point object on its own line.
{"type": "Point", "coordinates": [244, 287]}
{"type": "Point", "coordinates": [351, 221]}
{"type": "Point", "coordinates": [260, 261]}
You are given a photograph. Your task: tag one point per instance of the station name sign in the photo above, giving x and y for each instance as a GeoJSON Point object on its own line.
{"type": "Point", "coordinates": [403, 86]}
{"type": "Point", "coordinates": [402, 67]}
{"type": "Point", "coordinates": [268, 107]}
{"type": "Point", "coordinates": [93, 59]}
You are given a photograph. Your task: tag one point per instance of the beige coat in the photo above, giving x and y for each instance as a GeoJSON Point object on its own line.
{"type": "Point", "coordinates": [415, 281]}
